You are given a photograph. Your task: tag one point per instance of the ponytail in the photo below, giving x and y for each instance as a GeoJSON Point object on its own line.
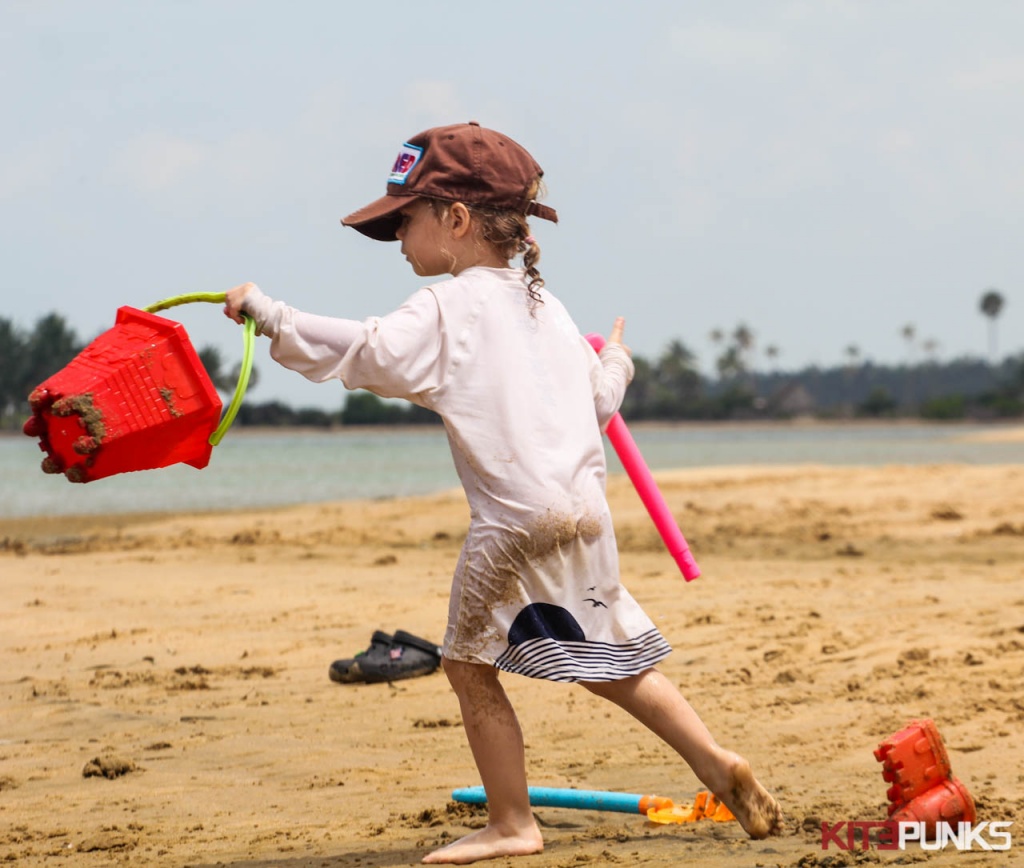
{"type": "Point", "coordinates": [531, 256]}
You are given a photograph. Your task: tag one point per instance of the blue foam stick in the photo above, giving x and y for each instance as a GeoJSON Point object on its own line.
{"type": "Point", "coordinates": [556, 797]}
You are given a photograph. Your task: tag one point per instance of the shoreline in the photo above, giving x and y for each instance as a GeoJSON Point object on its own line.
{"type": "Point", "coordinates": [1016, 426]}
{"type": "Point", "coordinates": [422, 464]}
{"type": "Point", "coordinates": [57, 529]}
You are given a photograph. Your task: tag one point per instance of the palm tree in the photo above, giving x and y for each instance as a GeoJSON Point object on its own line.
{"type": "Point", "coordinates": [991, 305]}
{"type": "Point", "coordinates": [744, 339]}
{"type": "Point", "coordinates": [676, 381]}
{"type": "Point", "coordinates": [909, 332]}
{"type": "Point", "coordinates": [730, 364]}
{"type": "Point", "coordinates": [853, 354]}
{"type": "Point", "coordinates": [716, 336]}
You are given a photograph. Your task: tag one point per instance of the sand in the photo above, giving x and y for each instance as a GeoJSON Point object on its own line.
{"type": "Point", "coordinates": [181, 663]}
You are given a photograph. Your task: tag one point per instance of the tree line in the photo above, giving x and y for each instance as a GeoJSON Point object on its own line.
{"type": "Point", "coordinates": [669, 387]}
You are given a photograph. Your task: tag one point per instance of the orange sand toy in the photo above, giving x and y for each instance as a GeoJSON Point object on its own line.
{"type": "Point", "coordinates": [915, 762]}
{"type": "Point", "coordinates": [705, 807]}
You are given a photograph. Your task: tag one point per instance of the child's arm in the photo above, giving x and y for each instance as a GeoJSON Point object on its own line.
{"type": "Point", "coordinates": [395, 356]}
{"type": "Point", "coordinates": [610, 373]}
{"type": "Point", "coordinates": [315, 343]}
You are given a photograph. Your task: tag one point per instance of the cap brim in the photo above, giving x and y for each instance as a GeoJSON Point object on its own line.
{"type": "Point", "coordinates": [379, 220]}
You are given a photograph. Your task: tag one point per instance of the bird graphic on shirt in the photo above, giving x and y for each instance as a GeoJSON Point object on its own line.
{"type": "Point", "coordinates": [595, 603]}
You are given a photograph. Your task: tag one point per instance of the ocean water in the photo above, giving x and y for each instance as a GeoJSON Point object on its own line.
{"type": "Point", "coordinates": [256, 469]}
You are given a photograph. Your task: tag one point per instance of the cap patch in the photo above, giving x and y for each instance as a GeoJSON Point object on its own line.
{"type": "Point", "coordinates": [405, 162]}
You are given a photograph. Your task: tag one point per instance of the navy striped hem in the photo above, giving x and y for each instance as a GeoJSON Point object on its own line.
{"type": "Point", "coordinates": [584, 661]}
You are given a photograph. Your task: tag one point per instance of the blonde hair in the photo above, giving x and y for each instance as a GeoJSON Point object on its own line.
{"type": "Point", "coordinates": [509, 233]}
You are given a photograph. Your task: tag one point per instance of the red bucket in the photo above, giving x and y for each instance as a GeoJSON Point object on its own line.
{"type": "Point", "coordinates": [136, 398]}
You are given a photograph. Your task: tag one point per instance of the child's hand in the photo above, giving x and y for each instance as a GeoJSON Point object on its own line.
{"type": "Point", "coordinates": [616, 336]}
{"type": "Point", "coordinates": [234, 300]}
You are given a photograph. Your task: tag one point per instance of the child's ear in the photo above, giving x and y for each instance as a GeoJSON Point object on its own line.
{"type": "Point", "coordinates": [459, 220]}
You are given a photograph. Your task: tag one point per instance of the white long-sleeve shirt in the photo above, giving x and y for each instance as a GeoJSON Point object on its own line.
{"type": "Point", "coordinates": [524, 399]}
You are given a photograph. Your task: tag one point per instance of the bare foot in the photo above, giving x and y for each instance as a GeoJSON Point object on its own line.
{"type": "Point", "coordinates": [758, 813]}
{"type": "Point", "coordinates": [487, 843]}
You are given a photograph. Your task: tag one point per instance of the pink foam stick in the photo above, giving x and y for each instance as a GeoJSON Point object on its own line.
{"type": "Point", "coordinates": [643, 481]}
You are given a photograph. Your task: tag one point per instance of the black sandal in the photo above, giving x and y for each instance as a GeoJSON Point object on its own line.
{"type": "Point", "coordinates": [408, 657]}
{"type": "Point", "coordinates": [350, 670]}
{"type": "Point", "coordinates": [388, 658]}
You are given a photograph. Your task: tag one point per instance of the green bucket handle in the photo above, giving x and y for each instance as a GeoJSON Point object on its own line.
{"type": "Point", "coordinates": [248, 344]}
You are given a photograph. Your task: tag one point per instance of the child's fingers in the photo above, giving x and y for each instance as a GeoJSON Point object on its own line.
{"type": "Point", "coordinates": [233, 300]}
{"type": "Point", "coordinates": [616, 336]}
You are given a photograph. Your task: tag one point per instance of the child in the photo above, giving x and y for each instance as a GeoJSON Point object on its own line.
{"type": "Point", "coordinates": [524, 400]}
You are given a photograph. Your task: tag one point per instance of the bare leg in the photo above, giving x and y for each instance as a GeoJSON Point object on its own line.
{"type": "Point", "coordinates": [654, 701]}
{"type": "Point", "coordinates": [497, 744]}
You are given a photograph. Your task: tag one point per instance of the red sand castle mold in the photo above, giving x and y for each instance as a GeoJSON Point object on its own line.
{"type": "Point", "coordinates": [136, 398]}
{"type": "Point", "coordinates": [915, 762]}
{"type": "Point", "coordinates": [947, 802]}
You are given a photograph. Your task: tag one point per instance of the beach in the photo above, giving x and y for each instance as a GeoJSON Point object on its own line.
{"type": "Point", "coordinates": [165, 698]}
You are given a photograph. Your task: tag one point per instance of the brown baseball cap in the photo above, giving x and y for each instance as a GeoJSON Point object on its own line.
{"type": "Point", "coordinates": [458, 163]}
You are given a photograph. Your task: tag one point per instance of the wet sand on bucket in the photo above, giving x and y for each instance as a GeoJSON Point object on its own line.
{"type": "Point", "coordinates": [165, 698]}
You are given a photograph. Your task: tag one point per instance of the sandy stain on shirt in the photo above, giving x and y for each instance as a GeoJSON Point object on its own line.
{"type": "Point", "coordinates": [491, 578]}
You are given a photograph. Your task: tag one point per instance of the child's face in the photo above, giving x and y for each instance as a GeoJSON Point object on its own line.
{"type": "Point", "coordinates": [424, 240]}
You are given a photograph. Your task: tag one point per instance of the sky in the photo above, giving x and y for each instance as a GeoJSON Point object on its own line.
{"type": "Point", "coordinates": [822, 172]}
